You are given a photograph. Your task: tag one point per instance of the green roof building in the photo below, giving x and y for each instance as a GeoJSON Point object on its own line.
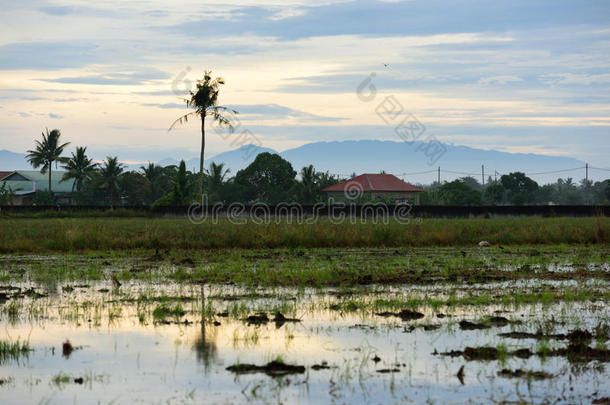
{"type": "Point", "coordinates": [25, 183]}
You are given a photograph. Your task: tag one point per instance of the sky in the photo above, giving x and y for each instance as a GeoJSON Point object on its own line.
{"type": "Point", "coordinates": [527, 76]}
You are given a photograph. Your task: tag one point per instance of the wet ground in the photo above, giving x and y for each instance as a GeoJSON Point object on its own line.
{"type": "Point", "coordinates": [141, 342]}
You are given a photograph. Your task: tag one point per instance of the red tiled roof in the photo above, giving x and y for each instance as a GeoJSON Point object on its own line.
{"type": "Point", "coordinates": [374, 182]}
{"type": "Point", "coordinates": [4, 174]}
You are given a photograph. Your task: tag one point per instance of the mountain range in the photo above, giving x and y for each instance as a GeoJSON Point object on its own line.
{"type": "Point", "coordinates": [414, 162]}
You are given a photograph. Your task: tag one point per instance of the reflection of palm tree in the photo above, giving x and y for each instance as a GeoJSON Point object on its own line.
{"type": "Point", "coordinates": [205, 345]}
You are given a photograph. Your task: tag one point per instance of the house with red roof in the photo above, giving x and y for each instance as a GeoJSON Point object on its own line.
{"type": "Point", "coordinates": [4, 174]}
{"type": "Point", "coordinates": [374, 187]}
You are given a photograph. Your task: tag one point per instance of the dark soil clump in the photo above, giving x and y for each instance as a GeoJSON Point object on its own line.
{"type": "Point", "coordinates": [272, 369]}
{"type": "Point", "coordinates": [535, 375]}
{"type": "Point", "coordinates": [258, 319]}
{"type": "Point", "coordinates": [467, 325]}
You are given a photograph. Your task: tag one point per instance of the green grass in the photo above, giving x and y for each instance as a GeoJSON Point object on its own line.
{"type": "Point", "coordinates": [46, 235]}
{"type": "Point", "coordinates": [318, 267]}
{"type": "Point", "coordinates": [164, 311]}
{"type": "Point", "coordinates": [61, 379]}
{"type": "Point", "coordinates": [545, 296]}
{"type": "Point", "coordinates": [14, 350]}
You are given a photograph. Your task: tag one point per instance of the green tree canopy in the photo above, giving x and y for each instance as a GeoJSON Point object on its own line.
{"type": "Point", "coordinates": [521, 188]}
{"type": "Point", "coordinates": [458, 192]}
{"type": "Point", "coordinates": [269, 179]}
{"type": "Point", "coordinates": [80, 168]}
{"type": "Point", "coordinates": [47, 152]}
{"type": "Point", "coordinates": [110, 173]}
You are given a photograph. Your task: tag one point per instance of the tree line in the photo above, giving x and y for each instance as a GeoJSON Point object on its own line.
{"type": "Point", "coordinates": [516, 189]}
{"type": "Point", "coordinates": [269, 179]}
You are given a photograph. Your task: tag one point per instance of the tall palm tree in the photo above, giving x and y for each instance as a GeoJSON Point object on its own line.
{"type": "Point", "coordinates": [216, 177]}
{"type": "Point", "coordinates": [79, 167]}
{"type": "Point", "coordinates": [110, 172]}
{"type": "Point", "coordinates": [47, 152]}
{"type": "Point", "coordinates": [204, 101]}
{"type": "Point", "coordinates": [308, 187]}
{"type": "Point", "coordinates": [153, 174]}
{"type": "Point", "coordinates": [181, 186]}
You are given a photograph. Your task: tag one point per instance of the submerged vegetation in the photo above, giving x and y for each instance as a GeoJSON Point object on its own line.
{"type": "Point", "coordinates": [13, 350]}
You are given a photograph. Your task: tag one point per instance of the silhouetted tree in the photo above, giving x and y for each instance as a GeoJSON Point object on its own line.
{"type": "Point", "coordinates": [459, 192]}
{"type": "Point", "coordinates": [204, 101]}
{"type": "Point", "coordinates": [216, 175]}
{"type": "Point", "coordinates": [110, 173]}
{"type": "Point", "coordinates": [521, 188]}
{"type": "Point", "coordinates": [80, 168]}
{"type": "Point", "coordinates": [47, 152]}
{"type": "Point", "coordinates": [268, 179]}
{"type": "Point", "coordinates": [154, 174]}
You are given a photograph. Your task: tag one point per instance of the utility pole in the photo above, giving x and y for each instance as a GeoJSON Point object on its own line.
{"type": "Point", "coordinates": [439, 176]}
{"type": "Point", "coordinates": [483, 174]}
{"type": "Point", "coordinates": [587, 183]}
{"type": "Point", "coordinates": [495, 176]}
{"type": "Point", "coordinates": [586, 173]}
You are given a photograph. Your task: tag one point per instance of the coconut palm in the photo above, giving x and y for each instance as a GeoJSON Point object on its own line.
{"type": "Point", "coordinates": [216, 177]}
{"type": "Point", "coordinates": [110, 173]}
{"type": "Point", "coordinates": [204, 101]}
{"type": "Point", "coordinates": [153, 174]}
{"type": "Point", "coordinates": [308, 186]}
{"type": "Point", "coordinates": [79, 167]}
{"type": "Point", "coordinates": [181, 186]}
{"type": "Point", "coordinates": [47, 152]}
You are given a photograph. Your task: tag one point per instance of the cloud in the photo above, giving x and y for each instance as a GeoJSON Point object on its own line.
{"type": "Point", "coordinates": [572, 78]}
{"type": "Point", "coordinates": [113, 78]}
{"type": "Point", "coordinates": [46, 55]}
{"type": "Point", "coordinates": [55, 116]}
{"type": "Point", "coordinates": [500, 79]}
{"type": "Point", "coordinates": [378, 18]}
{"type": "Point", "coordinates": [275, 111]}
{"type": "Point", "coordinates": [167, 105]}
{"type": "Point", "coordinates": [63, 11]}
{"type": "Point", "coordinates": [57, 10]}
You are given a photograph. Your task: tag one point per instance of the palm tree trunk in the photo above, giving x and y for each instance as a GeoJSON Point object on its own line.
{"type": "Point", "coordinates": [50, 169]}
{"type": "Point", "coordinates": [202, 150]}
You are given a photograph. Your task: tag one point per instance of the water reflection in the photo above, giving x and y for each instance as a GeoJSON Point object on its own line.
{"type": "Point", "coordinates": [205, 346]}
{"type": "Point", "coordinates": [350, 355]}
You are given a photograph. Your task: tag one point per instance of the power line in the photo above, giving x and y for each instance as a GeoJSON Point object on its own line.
{"type": "Point", "coordinates": [496, 173]}
{"type": "Point", "coordinates": [556, 171]}
{"type": "Point", "coordinates": [464, 173]}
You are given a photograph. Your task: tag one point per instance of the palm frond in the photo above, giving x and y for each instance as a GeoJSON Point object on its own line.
{"type": "Point", "coordinates": [182, 120]}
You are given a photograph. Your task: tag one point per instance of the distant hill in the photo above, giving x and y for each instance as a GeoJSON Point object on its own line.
{"type": "Point", "coordinates": [359, 157]}
{"type": "Point", "coordinates": [13, 161]}
{"type": "Point", "coordinates": [399, 157]}
{"type": "Point", "coordinates": [346, 157]}
{"type": "Point", "coordinates": [236, 159]}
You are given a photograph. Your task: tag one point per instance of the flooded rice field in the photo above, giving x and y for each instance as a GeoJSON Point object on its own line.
{"type": "Point", "coordinates": [521, 341]}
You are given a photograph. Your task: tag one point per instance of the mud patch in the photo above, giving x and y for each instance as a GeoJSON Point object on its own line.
{"type": "Point", "coordinates": [518, 373]}
{"type": "Point", "coordinates": [272, 369]}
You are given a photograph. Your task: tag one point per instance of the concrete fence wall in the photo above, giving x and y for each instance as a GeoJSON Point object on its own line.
{"type": "Point", "coordinates": [418, 211]}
